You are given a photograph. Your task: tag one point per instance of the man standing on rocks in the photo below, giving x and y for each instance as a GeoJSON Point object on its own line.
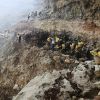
{"type": "Point", "coordinates": [28, 17]}
{"type": "Point", "coordinates": [19, 38]}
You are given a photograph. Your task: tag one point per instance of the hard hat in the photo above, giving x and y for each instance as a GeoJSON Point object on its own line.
{"type": "Point", "coordinates": [48, 39]}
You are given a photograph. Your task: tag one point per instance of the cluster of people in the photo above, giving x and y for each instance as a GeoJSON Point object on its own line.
{"type": "Point", "coordinates": [61, 41]}
{"type": "Point", "coordinates": [67, 44]}
{"type": "Point", "coordinates": [56, 41]}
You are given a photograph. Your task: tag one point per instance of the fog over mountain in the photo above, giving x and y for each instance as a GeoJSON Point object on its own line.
{"type": "Point", "coordinates": [12, 11]}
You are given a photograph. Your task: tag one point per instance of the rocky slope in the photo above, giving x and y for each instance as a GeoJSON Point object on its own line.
{"type": "Point", "coordinates": [62, 85]}
{"type": "Point", "coordinates": [26, 61]}
{"type": "Point", "coordinates": [51, 77]}
{"type": "Point", "coordinates": [71, 9]}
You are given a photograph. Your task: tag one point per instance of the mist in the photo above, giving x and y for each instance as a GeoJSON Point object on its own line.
{"type": "Point", "coordinates": [11, 11]}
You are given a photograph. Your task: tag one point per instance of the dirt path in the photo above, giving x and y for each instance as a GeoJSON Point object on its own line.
{"type": "Point", "coordinates": [77, 27]}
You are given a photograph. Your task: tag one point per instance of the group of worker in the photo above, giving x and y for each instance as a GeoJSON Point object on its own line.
{"type": "Point", "coordinates": [33, 15]}
{"type": "Point", "coordinates": [61, 42]}
{"type": "Point", "coordinates": [54, 41]}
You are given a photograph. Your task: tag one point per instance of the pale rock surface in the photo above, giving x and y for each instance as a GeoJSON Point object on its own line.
{"type": "Point", "coordinates": [40, 84]}
{"type": "Point", "coordinates": [59, 85]}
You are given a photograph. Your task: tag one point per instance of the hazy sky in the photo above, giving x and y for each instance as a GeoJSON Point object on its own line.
{"type": "Point", "coordinates": [10, 10]}
{"type": "Point", "coordinates": [12, 7]}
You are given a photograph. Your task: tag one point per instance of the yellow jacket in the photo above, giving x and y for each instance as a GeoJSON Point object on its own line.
{"type": "Point", "coordinates": [80, 44]}
{"type": "Point", "coordinates": [56, 39]}
{"type": "Point", "coordinates": [63, 46]}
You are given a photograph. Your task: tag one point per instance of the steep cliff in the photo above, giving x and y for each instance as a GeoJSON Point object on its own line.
{"type": "Point", "coordinates": [71, 9]}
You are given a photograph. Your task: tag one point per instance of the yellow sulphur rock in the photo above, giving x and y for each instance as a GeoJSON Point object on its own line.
{"type": "Point", "coordinates": [94, 53]}
{"type": "Point", "coordinates": [99, 53]}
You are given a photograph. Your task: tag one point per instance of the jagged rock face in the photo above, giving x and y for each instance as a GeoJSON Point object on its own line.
{"type": "Point", "coordinates": [61, 85]}
{"type": "Point", "coordinates": [71, 9]}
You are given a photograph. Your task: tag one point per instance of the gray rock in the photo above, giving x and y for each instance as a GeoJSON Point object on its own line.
{"type": "Point", "coordinates": [37, 87]}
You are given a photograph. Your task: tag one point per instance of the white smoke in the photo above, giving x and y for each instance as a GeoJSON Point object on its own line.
{"type": "Point", "coordinates": [11, 11]}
